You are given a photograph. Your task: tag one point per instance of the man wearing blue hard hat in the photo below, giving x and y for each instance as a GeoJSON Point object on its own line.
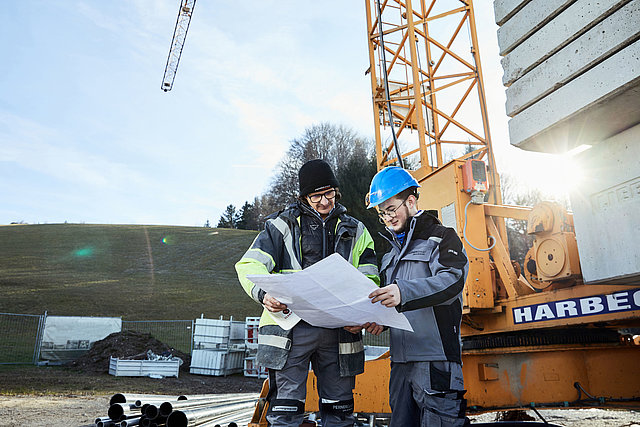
{"type": "Point", "coordinates": [423, 276]}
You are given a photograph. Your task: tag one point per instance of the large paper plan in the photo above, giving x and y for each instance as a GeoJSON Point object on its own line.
{"type": "Point", "coordinates": [332, 293]}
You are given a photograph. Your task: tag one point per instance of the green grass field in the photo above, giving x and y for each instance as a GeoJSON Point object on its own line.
{"type": "Point", "coordinates": [134, 271]}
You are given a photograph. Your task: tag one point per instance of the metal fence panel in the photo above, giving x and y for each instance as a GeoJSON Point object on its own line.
{"type": "Point", "coordinates": [174, 333]}
{"type": "Point", "coordinates": [19, 338]}
{"type": "Point", "coordinates": [381, 340]}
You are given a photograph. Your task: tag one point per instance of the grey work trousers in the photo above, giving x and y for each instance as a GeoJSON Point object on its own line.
{"type": "Point", "coordinates": [426, 394]}
{"type": "Point", "coordinates": [320, 347]}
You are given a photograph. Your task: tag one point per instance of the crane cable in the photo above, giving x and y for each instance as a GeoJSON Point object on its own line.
{"type": "Point", "coordinates": [386, 86]}
{"type": "Point", "coordinates": [464, 232]}
{"type": "Point", "coordinates": [424, 99]}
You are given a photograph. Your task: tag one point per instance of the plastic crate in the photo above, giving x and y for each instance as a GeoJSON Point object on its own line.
{"type": "Point", "coordinates": [251, 326]}
{"type": "Point", "coordinates": [216, 362]}
{"type": "Point", "coordinates": [217, 333]}
{"type": "Point", "coordinates": [143, 368]}
{"type": "Point", "coordinates": [252, 369]}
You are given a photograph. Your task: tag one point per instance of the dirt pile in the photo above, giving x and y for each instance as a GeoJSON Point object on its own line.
{"type": "Point", "coordinates": [125, 345]}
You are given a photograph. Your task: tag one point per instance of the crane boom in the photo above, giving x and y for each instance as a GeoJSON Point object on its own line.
{"type": "Point", "coordinates": [177, 43]}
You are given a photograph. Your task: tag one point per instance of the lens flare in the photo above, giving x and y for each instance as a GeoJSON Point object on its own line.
{"type": "Point", "coordinates": [168, 240]}
{"type": "Point", "coordinates": [84, 252]}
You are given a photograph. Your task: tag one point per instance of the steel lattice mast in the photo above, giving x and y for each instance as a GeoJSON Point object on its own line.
{"type": "Point", "coordinates": [427, 51]}
{"type": "Point", "coordinates": [179, 36]}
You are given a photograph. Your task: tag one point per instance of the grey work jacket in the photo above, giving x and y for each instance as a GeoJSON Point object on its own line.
{"type": "Point", "coordinates": [430, 269]}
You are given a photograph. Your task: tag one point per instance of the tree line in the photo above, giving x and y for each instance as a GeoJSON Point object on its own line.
{"type": "Point", "coordinates": [352, 158]}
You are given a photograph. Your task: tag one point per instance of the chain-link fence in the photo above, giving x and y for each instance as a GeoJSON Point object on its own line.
{"type": "Point", "coordinates": [174, 333]}
{"type": "Point", "coordinates": [381, 340]}
{"type": "Point", "coordinates": [20, 338]}
{"type": "Point", "coordinates": [21, 335]}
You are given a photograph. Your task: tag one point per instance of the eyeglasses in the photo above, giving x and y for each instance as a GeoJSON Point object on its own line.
{"type": "Point", "coordinates": [329, 195]}
{"type": "Point", "coordinates": [391, 213]}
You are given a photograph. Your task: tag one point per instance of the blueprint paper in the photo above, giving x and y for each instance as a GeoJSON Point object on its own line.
{"type": "Point", "coordinates": [332, 293]}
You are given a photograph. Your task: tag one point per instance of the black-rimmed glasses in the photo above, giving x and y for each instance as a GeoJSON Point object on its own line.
{"type": "Point", "coordinates": [391, 213]}
{"type": "Point", "coordinates": [330, 194]}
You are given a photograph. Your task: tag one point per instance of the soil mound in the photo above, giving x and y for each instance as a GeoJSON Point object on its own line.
{"type": "Point", "coordinates": [125, 345]}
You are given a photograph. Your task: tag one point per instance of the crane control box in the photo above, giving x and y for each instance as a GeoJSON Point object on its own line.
{"type": "Point", "coordinates": [474, 178]}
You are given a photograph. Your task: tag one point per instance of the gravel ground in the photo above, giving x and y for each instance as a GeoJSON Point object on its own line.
{"type": "Point", "coordinates": [80, 411]}
{"type": "Point", "coordinates": [591, 417]}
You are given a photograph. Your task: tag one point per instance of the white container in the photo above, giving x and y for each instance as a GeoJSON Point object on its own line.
{"type": "Point", "coordinates": [216, 362]}
{"type": "Point", "coordinates": [144, 368]}
{"type": "Point", "coordinates": [217, 333]}
{"type": "Point", "coordinates": [252, 369]}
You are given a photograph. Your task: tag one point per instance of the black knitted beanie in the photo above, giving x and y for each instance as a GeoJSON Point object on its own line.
{"type": "Point", "coordinates": [316, 175]}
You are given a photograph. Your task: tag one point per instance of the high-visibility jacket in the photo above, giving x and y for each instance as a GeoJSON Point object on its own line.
{"type": "Point", "coordinates": [279, 249]}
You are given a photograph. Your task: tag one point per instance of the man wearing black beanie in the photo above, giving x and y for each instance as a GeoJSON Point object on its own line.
{"type": "Point", "coordinates": [306, 232]}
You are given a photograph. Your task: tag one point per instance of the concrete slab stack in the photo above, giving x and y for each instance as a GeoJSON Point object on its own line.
{"type": "Point", "coordinates": [572, 72]}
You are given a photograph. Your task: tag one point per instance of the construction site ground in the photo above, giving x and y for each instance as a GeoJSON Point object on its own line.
{"type": "Point", "coordinates": [74, 395]}
{"type": "Point", "coordinates": [58, 396]}
{"type": "Point", "coordinates": [62, 396]}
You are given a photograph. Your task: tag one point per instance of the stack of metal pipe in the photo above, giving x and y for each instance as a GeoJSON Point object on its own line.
{"type": "Point", "coordinates": [206, 410]}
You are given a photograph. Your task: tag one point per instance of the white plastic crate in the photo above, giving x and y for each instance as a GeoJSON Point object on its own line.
{"type": "Point", "coordinates": [216, 362]}
{"type": "Point", "coordinates": [143, 368]}
{"type": "Point", "coordinates": [252, 369]}
{"type": "Point", "coordinates": [217, 333]}
{"type": "Point", "coordinates": [251, 332]}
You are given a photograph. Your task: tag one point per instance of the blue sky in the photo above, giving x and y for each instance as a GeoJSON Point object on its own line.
{"type": "Point", "coordinates": [86, 134]}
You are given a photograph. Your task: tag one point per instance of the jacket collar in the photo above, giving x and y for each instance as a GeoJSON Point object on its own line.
{"type": "Point", "coordinates": [419, 222]}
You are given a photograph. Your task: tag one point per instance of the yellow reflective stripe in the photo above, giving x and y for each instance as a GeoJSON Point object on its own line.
{"type": "Point", "coordinates": [351, 347]}
{"type": "Point", "coordinates": [368, 269]}
{"type": "Point", "coordinates": [363, 242]}
{"type": "Point", "coordinates": [248, 266]}
{"type": "Point", "coordinates": [357, 247]}
{"type": "Point", "coordinates": [274, 341]}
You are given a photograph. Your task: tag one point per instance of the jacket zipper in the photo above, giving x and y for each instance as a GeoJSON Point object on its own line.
{"type": "Point", "coordinates": [324, 240]}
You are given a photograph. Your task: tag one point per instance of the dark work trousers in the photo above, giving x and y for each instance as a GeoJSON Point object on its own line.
{"type": "Point", "coordinates": [320, 347]}
{"type": "Point", "coordinates": [425, 394]}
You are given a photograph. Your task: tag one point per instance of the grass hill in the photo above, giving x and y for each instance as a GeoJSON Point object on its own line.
{"type": "Point", "coordinates": [134, 271]}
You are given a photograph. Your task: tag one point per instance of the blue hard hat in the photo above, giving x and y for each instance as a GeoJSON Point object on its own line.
{"type": "Point", "coordinates": [387, 183]}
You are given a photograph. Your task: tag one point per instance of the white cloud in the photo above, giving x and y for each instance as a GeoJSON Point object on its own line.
{"type": "Point", "coordinates": [38, 148]}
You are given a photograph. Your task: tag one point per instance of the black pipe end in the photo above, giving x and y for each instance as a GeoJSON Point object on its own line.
{"type": "Point", "coordinates": [177, 419]}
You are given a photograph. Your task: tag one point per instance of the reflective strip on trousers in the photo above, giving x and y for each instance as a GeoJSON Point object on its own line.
{"type": "Point", "coordinates": [351, 347]}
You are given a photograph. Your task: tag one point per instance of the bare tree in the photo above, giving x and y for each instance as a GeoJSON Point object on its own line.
{"type": "Point", "coordinates": [335, 144]}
